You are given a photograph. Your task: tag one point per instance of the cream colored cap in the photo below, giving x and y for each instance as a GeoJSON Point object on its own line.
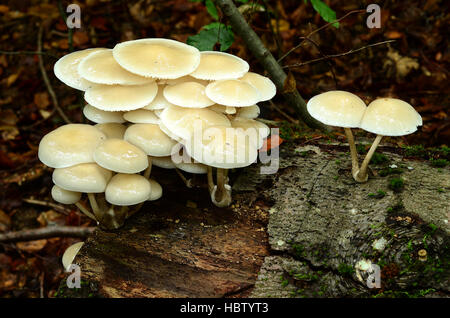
{"type": "Point", "coordinates": [220, 66]}
{"type": "Point", "coordinates": [70, 253]}
{"type": "Point", "coordinates": [85, 177]}
{"type": "Point", "coordinates": [101, 67]}
{"type": "Point", "coordinates": [127, 189]}
{"type": "Point", "coordinates": [101, 116]}
{"type": "Point", "coordinates": [390, 117]}
{"type": "Point", "coordinates": [119, 97]}
{"type": "Point", "coordinates": [337, 108]}
{"type": "Point", "coordinates": [187, 94]}
{"type": "Point", "coordinates": [112, 130]}
{"type": "Point", "coordinates": [157, 190]}
{"type": "Point", "coordinates": [65, 196]}
{"type": "Point", "coordinates": [182, 121]}
{"type": "Point", "coordinates": [165, 130]}
{"type": "Point", "coordinates": [233, 93]}
{"type": "Point", "coordinates": [224, 109]}
{"type": "Point", "coordinates": [66, 69]}
{"type": "Point", "coordinates": [159, 102]}
{"type": "Point", "coordinates": [141, 116]}
{"type": "Point", "coordinates": [184, 79]}
{"type": "Point", "coordinates": [69, 145]}
{"type": "Point", "coordinates": [151, 139]}
{"type": "Point", "coordinates": [249, 124]}
{"type": "Point", "coordinates": [120, 156]}
{"type": "Point", "coordinates": [263, 84]}
{"type": "Point", "coordinates": [250, 112]}
{"type": "Point", "coordinates": [224, 147]}
{"type": "Point", "coordinates": [163, 162]}
{"type": "Point", "coordinates": [192, 167]}
{"type": "Point", "coordinates": [161, 58]}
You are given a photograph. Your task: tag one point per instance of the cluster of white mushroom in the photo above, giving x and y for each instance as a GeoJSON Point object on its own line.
{"type": "Point", "coordinates": [383, 117]}
{"type": "Point", "coordinates": [155, 102]}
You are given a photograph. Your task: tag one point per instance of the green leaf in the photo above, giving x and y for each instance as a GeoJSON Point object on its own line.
{"type": "Point", "coordinates": [211, 34]}
{"type": "Point", "coordinates": [212, 10]}
{"type": "Point", "coordinates": [325, 11]}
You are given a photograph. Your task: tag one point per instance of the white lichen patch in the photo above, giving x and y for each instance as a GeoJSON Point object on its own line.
{"type": "Point", "coordinates": [379, 244]}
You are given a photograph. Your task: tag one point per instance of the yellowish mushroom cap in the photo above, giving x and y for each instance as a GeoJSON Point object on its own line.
{"type": "Point", "coordinates": [159, 102]}
{"type": "Point", "coordinates": [120, 156]}
{"type": "Point", "coordinates": [141, 116]}
{"type": "Point", "coordinates": [101, 67]}
{"type": "Point", "coordinates": [151, 139]}
{"type": "Point", "coordinates": [65, 196]}
{"type": "Point", "coordinates": [192, 167]}
{"type": "Point", "coordinates": [66, 69]}
{"type": "Point", "coordinates": [69, 145]}
{"type": "Point", "coordinates": [184, 79]}
{"type": "Point", "coordinates": [220, 66]}
{"type": "Point", "coordinates": [70, 253]}
{"type": "Point", "coordinates": [233, 93]}
{"type": "Point", "coordinates": [157, 190]}
{"type": "Point", "coordinates": [163, 162]}
{"type": "Point", "coordinates": [101, 116]}
{"type": "Point", "coordinates": [160, 58]}
{"type": "Point", "coordinates": [112, 130]}
{"type": "Point", "coordinates": [250, 112]}
{"type": "Point", "coordinates": [127, 189]}
{"type": "Point", "coordinates": [263, 84]}
{"type": "Point", "coordinates": [390, 117]}
{"type": "Point", "coordinates": [182, 121]}
{"type": "Point", "coordinates": [337, 108]}
{"type": "Point", "coordinates": [187, 94]}
{"type": "Point", "coordinates": [119, 97]}
{"type": "Point", "coordinates": [224, 109]}
{"type": "Point", "coordinates": [85, 177]}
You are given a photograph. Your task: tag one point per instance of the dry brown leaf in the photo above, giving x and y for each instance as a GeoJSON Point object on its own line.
{"type": "Point", "coordinates": [42, 100]}
{"type": "Point", "coordinates": [12, 79]}
{"type": "Point", "coordinates": [4, 218]}
{"type": "Point", "coordinates": [32, 246]}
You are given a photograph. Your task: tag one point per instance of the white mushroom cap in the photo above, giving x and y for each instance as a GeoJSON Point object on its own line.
{"type": "Point", "coordinates": [65, 196]}
{"type": "Point", "coordinates": [337, 108]}
{"type": "Point", "coordinates": [224, 109]}
{"type": "Point", "coordinates": [69, 145]}
{"type": "Point", "coordinates": [112, 130]}
{"type": "Point", "coordinates": [220, 66]}
{"type": "Point", "coordinates": [66, 69]}
{"type": "Point", "coordinates": [250, 112]}
{"type": "Point", "coordinates": [263, 84]}
{"type": "Point", "coordinates": [192, 167]}
{"type": "Point", "coordinates": [182, 121]}
{"type": "Point", "coordinates": [184, 79]}
{"type": "Point", "coordinates": [141, 116]}
{"type": "Point", "coordinates": [119, 97]}
{"type": "Point", "coordinates": [85, 177]}
{"type": "Point", "coordinates": [70, 253]}
{"type": "Point", "coordinates": [165, 130]}
{"type": "Point", "coordinates": [151, 139]}
{"type": "Point", "coordinates": [101, 116]}
{"type": "Point", "coordinates": [101, 67]}
{"type": "Point", "coordinates": [163, 162]}
{"type": "Point", "coordinates": [127, 189]}
{"type": "Point", "coordinates": [159, 102]}
{"type": "Point", "coordinates": [260, 128]}
{"type": "Point", "coordinates": [120, 156]}
{"type": "Point", "coordinates": [187, 94]}
{"type": "Point", "coordinates": [160, 58]}
{"type": "Point", "coordinates": [233, 93]}
{"type": "Point", "coordinates": [157, 190]}
{"type": "Point", "coordinates": [390, 117]}
{"type": "Point", "coordinates": [224, 147]}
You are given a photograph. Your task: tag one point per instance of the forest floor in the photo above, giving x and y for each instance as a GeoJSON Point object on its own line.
{"type": "Point", "coordinates": [414, 68]}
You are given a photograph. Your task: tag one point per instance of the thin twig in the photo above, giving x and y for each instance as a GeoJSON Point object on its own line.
{"type": "Point", "coordinates": [315, 31]}
{"type": "Point", "coordinates": [46, 232]}
{"type": "Point", "coordinates": [57, 207]}
{"type": "Point", "coordinates": [46, 80]}
{"type": "Point", "coordinates": [27, 52]}
{"type": "Point", "coordinates": [278, 109]}
{"type": "Point", "coordinates": [337, 55]}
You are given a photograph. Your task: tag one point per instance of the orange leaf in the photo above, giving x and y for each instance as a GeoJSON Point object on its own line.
{"type": "Point", "coordinates": [270, 143]}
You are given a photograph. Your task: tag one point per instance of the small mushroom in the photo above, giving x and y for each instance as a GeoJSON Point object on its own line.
{"type": "Point", "coordinates": [233, 93]}
{"type": "Point", "coordinates": [156, 190]}
{"type": "Point", "coordinates": [386, 117]}
{"type": "Point", "coordinates": [141, 116]}
{"type": "Point", "coordinates": [340, 109]}
{"type": "Point", "coordinates": [159, 102]}
{"type": "Point", "coordinates": [70, 197]}
{"type": "Point", "coordinates": [263, 84]}
{"type": "Point", "coordinates": [112, 130]}
{"type": "Point", "coordinates": [127, 189]}
{"type": "Point", "coordinates": [250, 112]}
{"type": "Point", "coordinates": [102, 117]}
{"type": "Point", "coordinates": [219, 66]}
{"type": "Point", "coordinates": [188, 94]}
{"type": "Point", "coordinates": [70, 253]}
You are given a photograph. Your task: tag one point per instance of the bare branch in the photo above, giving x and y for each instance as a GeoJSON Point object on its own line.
{"type": "Point", "coordinates": [46, 232]}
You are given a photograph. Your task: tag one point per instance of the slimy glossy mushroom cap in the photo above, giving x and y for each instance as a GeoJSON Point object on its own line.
{"type": "Point", "coordinates": [219, 66]}
{"type": "Point", "coordinates": [85, 177]}
{"type": "Point", "coordinates": [127, 189]}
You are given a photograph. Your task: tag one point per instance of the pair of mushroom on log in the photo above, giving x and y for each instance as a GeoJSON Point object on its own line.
{"type": "Point", "coordinates": [383, 117]}
{"type": "Point", "coordinates": [155, 102]}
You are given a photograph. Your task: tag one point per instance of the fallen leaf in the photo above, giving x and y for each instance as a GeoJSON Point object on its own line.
{"type": "Point", "coordinates": [80, 38]}
{"type": "Point", "coordinates": [32, 246]}
{"type": "Point", "coordinates": [41, 100]}
{"type": "Point", "coordinates": [3, 8]}
{"type": "Point", "coordinates": [12, 79]}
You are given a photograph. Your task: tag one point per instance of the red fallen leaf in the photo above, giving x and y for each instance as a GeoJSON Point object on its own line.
{"type": "Point", "coordinates": [270, 143]}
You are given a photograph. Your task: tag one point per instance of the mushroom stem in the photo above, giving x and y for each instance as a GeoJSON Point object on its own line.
{"type": "Point", "coordinates": [94, 206]}
{"type": "Point", "coordinates": [210, 179]}
{"type": "Point", "coordinates": [149, 168]}
{"type": "Point", "coordinates": [361, 175]}
{"type": "Point", "coordinates": [187, 182]}
{"type": "Point", "coordinates": [221, 195]}
{"type": "Point", "coordinates": [85, 211]}
{"type": "Point", "coordinates": [353, 153]}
